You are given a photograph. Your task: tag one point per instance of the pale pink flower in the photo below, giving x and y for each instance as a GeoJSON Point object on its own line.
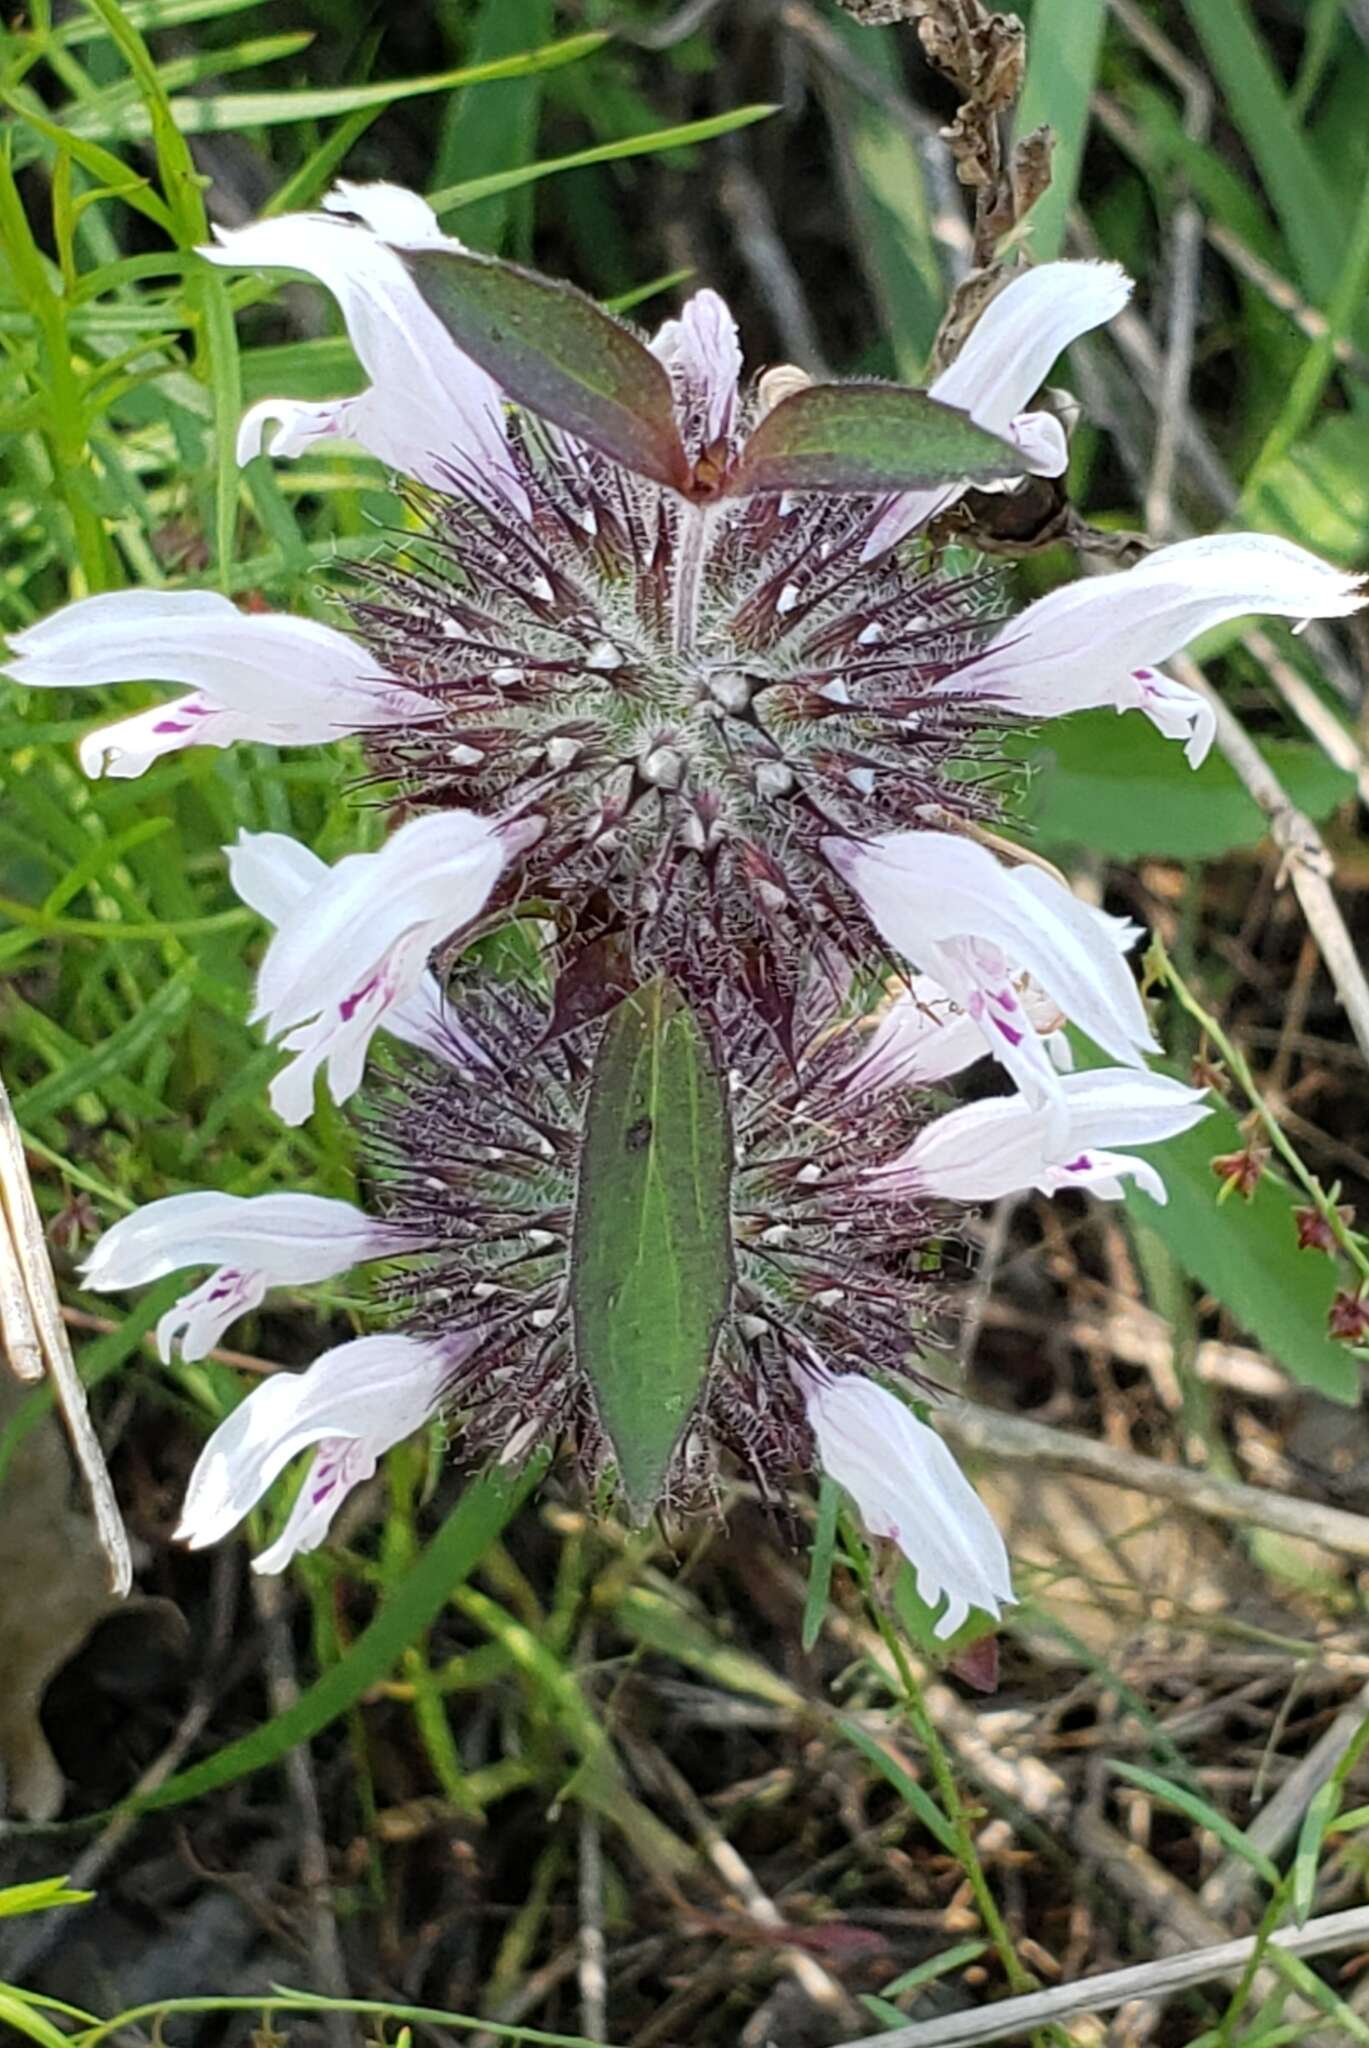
{"type": "Point", "coordinates": [908, 1488]}
{"type": "Point", "coordinates": [263, 676]}
{"type": "Point", "coordinates": [1005, 1146]}
{"type": "Point", "coordinates": [253, 1241]}
{"type": "Point", "coordinates": [948, 907]}
{"type": "Point", "coordinates": [704, 358]}
{"type": "Point", "coordinates": [351, 948]}
{"type": "Point", "coordinates": [1095, 642]}
{"type": "Point", "coordinates": [428, 411]}
{"type": "Point", "coordinates": [352, 1405]}
{"type": "Point", "coordinates": [1005, 360]}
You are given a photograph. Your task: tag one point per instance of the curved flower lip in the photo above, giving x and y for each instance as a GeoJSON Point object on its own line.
{"type": "Point", "coordinates": [908, 1488]}
{"type": "Point", "coordinates": [1004, 1146]}
{"type": "Point", "coordinates": [428, 411]}
{"type": "Point", "coordinates": [351, 948]}
{"type": "Point", "coordinates": [353, 1403]}
{"type": "Point", "coordinates": [1096, 642]}
{"type": "Point", "coordinates": [1005, 360]}
{"type": "Point", "coordinates": [254, 675]}
{"type": "Point", "coordinates": [253, 1241]}
{"type": "Point", "coordinates": [948, 907]}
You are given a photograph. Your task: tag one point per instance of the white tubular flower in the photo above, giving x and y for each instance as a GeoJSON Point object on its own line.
{"type": "Point", "coordinates": [922, 1035]}
{"type": "Point", "coordinates": [256, 675]}
{"type": "Point", "coordinates": [1095, 642]}
{"type": "Point", "coordinates": [948, 907]}
{"type": "Point", "coordinates": [273, 873]}
{"type": "Point", "coordinates": [704, 357]}
{"type": "Point", "coordinates": [254, 1241]}
{"type": "Point", "coordinates": [1006, 358]}
{"type": "Point", "coordinates": [429, 411]}
{"type": "Point", "coordinates": [1005, 1146]}
{"type": "Point", "coordinates": [909, 1488]}
{"type": "Point", "coordinates": [354, 1403]}
{"type": "Point", "coordinates": [352, 949]}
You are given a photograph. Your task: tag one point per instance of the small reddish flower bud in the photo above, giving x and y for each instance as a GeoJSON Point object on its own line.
{"type": "Point", "coordinates": [1207, 1072]}
{"type": "Point", "coordinates": [1348, 1317]}
{"type": "Point", "coordinates": [1315, 1233]}
{"type": "Point", "coordinates": [1241, 1172]}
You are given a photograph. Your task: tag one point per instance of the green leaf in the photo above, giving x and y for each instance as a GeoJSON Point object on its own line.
{"type": "Point", "coordinates": [1062, 65]}
{"type": "Point", "coordinates": [455, 1551]}
{"type": "Point", "coordinates": [39, 1896]}
{"type": "Point", "coordinates": [887, 193]}
{"type": "Point", "coordinates": [820, 1563]}
{"type": "Point", "coordinates": [1246, 1254]}
{"type": "Point", "coordinates": [1119, 787]}
{"type": "Point", "coordinates": [16, 2012]}
{"type": "Point", "coordinates": [1318, 493]}
{"type": "Point", "coordinates": [473, 191]}
{"type": "Point", "coordinates": [495, 125]}
{"type": "Point", "coordinates": [1252, 93]}
{"type": "Point", "coordinates": [1183, 1801]}
{"type": "Point", "coordinates": [553, 350]}
{"type": "Point", "coordinates": [224, 112]}
{"type": "Point", "coordinates": [652, 1252]}
{"type": "Point", "coordinates": [867, 437]}
{"type": "Point", "coordinates": [909, 1791]}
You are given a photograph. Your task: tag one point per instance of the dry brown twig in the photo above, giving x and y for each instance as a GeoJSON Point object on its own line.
{"type": "Point", "coordinates": [36, 1340]}
{"type": "Point", "coordinates": [1013, 2017]}
{"type": "Point", "coordinates": [984, 56]}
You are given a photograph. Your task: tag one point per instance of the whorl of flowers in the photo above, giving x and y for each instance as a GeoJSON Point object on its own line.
{"type": "Point", "coordinates": [663, 665]}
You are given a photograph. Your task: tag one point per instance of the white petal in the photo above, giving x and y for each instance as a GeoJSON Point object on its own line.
{"type": "Point", "coordinates": [1043, 443]}
{"type": "Point", "coordinates": [1005, 360]}
{"type": "Point", "coordinates": [254, 675]}
{"type": "Point", "coordinates": [1004, 1146]}
{"type": "Point", "coordinates": [1009, 352]}
{"type": "Point", "coordinates": [390, 211]}
{"type": "Point", "coordinates": [704, 356]}
{"type": "Point", "coordinates": [273, 872]}
{"type": "Point", "coordinates": [339, 1465]}
{"type": "Point", "coordinates": [431, 877]}
{"type": "Point", "coordinates": [1097, 642]}
{"type": "Point", "coordinates": [287, 1237]}
{"type": "Point", "coordinates": [909, 1488]}
{"type": "Point", "coordinates": [430, 411]}
{"type": "Point", "coordinates": [372, 1392]}
{"type": "Point", "coordinates": [936, 898]}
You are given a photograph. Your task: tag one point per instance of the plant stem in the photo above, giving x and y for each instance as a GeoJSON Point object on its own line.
{"type": "Point", "coordinates": [1163, 969]}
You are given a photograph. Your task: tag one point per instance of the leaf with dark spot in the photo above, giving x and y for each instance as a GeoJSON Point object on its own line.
{"type": "Point", "coordinates": [651, 1274]}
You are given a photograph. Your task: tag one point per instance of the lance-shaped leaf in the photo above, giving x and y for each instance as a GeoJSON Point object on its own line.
{"type": "Point", "coordinates": [652, 1253]}
{"type": "Point", "coordinates": [557, 353]}
{"type": "Point", "coordinates": [868, 437]}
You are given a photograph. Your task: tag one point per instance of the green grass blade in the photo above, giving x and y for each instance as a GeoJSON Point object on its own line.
{"type": "Point", "coordinates": [1251, 89]}
{"type": "Point", "coordinates": [1062, 65]}
{"type": "Point", "coordinates": [473, 190]}
{"type": "Point", "coordinates": [483, 1510]}
{"type": "Point", "coordinates": [1195, 1809]}
{"type": "Point", "coordinates": [232, 112]}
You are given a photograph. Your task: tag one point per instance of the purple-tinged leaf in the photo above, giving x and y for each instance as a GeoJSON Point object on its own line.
{"type": "Point", "coordinates": [557, 353]}
{"type": "Point", "coordinates": [868, 437]}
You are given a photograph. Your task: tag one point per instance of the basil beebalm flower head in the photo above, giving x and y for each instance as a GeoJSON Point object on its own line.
{"type": "Point", "coordinates": [663, 666]}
